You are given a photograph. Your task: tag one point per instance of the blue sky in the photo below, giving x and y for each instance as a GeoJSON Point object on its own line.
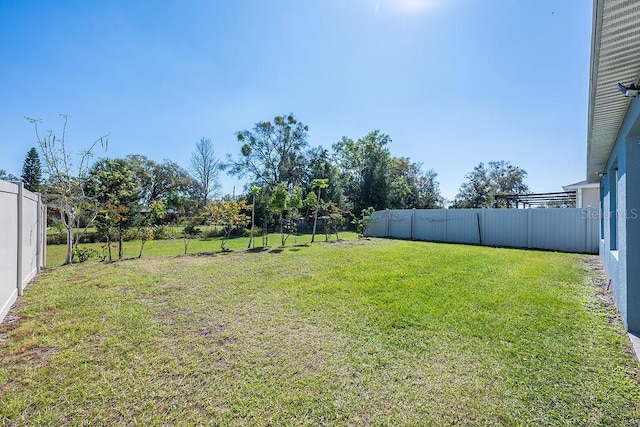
{"type": "Point", "coordinates": [453, 82]}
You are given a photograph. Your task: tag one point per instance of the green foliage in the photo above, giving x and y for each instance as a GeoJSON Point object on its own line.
{"type": "Point", "coordinates": [289, 201]}
{"type": "Point", "coordinates": [323, 166]}
{"type": "Point", "coordinates": [272, 153]}
{"type": "Point", "coordinates": [485, 183]}
{"type": "Point", "coordinates": [192, 230]}
{"type": "Point", "coordinates": [65, 188]}
{"type": "Point", "coordinates": [82, 254]}
{"type": "Point", "coordinates": [411, 188]}
{"type": "Point", "coordinates": [159, 182]}
{"type": "Point", "coordinates": [230, 215]}
{"type": "Point", "coordinates": [365, 165]}
{"type": "Point", "coordinates": [32, 171]}
{"type": "Point", "coordinates": [116, 191]}
{"type": "Point", "coordinates": [5, 176]}
{"type": "Point", "coordinates": [362, 221]}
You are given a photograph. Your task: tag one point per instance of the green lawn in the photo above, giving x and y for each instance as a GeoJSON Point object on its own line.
{"type": "Point", "coordinates": [361, 332]}
{"type": "Point", "coordinates": [174, 247]}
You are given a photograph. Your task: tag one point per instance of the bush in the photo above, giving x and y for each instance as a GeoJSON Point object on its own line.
{"type": "Point", "coordinates": [82, 254]}
{"type": "Point", "coordinates": [163, 233]}
{"type": "Point", "coordinates": [191, 230]}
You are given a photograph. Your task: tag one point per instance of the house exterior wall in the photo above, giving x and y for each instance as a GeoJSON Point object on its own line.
{"type": "Point", "coordinates": [620, 223]}
{"type": "Point", "coordinates": [590, 198]}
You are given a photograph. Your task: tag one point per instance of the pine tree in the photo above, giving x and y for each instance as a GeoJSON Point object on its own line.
{"type": "Point", "coordinates": [32, 171]}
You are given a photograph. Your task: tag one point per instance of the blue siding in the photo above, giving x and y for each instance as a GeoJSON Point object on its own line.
{"type": "Point", "coordinates": [620, 246]}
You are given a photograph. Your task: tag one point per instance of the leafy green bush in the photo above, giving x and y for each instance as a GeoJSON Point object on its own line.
{"type": "Point", "coordinates": [82, 254]}
{"type": "Point", "coordinates": [191, 230]}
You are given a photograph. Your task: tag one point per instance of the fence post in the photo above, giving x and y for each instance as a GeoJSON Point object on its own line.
{"type": "Point", "coordinates": [446, 225]}
{"type": "Point", "coordinates": [20, 203]}
{"type": "Point", "coordinates": [413, 223]}
{"type": "Point", "coordinates": [45, 213]}
{"type": "Point", "coordinates": [388, 231]}
{"type": "Point", "coordinates": [529, 227]}
{"type": "Point", "coordinates": [39, 236]}
{"type": "Point", "coordinates": [587, 234]}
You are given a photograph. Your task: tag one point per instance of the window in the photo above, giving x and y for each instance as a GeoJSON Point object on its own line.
{"type": "Point", "coordinates": [613, 209]}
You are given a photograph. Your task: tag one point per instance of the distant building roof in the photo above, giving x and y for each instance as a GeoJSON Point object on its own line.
{"type": "Point", "coordinates": [581, 184]}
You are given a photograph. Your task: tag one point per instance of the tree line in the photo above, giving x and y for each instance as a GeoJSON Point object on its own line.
{"type": "Point", "coordinates": [286, 180]}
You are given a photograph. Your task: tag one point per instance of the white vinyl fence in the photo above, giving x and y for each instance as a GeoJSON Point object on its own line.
{"type": "Point", "coordinates": [22, 241]}
{"type": "Point", "coordinates": [565, 230]}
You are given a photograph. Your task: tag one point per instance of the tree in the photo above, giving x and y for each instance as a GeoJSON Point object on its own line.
{"type": "Point", "coordinates": [114, 187]}
{"type": "Point", "coordinates": [205, 167]}
{"type": "Point", "coordinates": [285, 200]}
{"type": "Point", "coordinates": [229, 214]}
{"type": "Point", "coordinates": [319, 184]}
{"type": "Point", "coordinates": [32, 171]}
{"type": "Point", "coordinates": [272, 153]}
{"type": "Point", "coordinates": [5, 176]}
{"type": "Point", "coordinates": [365, 168]}
{"type": "Point", "coordinates": [66, 183]}
{"type": "Point", "coordinates": [321, 165]}
{"type": "Point", "coordinates": [485, 183]}
{"type": "Point", "coordinates": [255, 191]}
{"type": "Point", "coordinates": [410, 187]}
{"type": "Point", "coordinates": [156, 211]}
{"type": "Point", "coordinates": [159, 181]}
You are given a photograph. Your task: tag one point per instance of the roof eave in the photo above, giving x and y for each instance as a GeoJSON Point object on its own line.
{"type": "Point", "coordinates": [598, 9]}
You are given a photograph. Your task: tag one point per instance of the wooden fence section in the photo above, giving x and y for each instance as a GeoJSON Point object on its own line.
{"type": "Point", "coordinates": [22, 241]}
{"type": "Point", "coordinates": [564, 230]}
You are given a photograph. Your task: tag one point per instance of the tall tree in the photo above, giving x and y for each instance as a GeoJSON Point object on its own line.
{"type": "Point", "coordinates": [66, 182]}
{"type": "Point", "coordinates": [205, 168]}
{"type": "Point", "coordinates": [114, 187]}
{"type": "Point", "coordinates": [255, 191]}
{"type": "Point", "coordinates": [158, 181]}
{"type": "Point", "coordinates": [484, 183]}
{"type": "Point", "coordinates": [32, 171]}
{"type": "Point", "coordinates": [272, 153]}
{"type": "Point", "coordinates": [365, 166]}
{"type": "Point", "coordinates": [322, 166]}
{"type": "Point", "coordinates": [319, 184]}
{"type": "Point", "coordinates": [410, 187]}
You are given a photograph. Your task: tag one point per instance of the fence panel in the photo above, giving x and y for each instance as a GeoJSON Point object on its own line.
{"type": "Point", "coordinates": [378, 226]}
{"type": "Point", "coordinates": [22, 241]}
{"type": "Point", "coordinates": [401, 224]}
{"type": "Point", "coordinates": [8, 246]}
{"type": "Point", "coordinates": [566, 230]}
{"type": "Point", "coordinates": [430, 224]}
{"type": "Point", "coordinates": [463, 225]}
{"type": "Point", "coordinates": [29, 237]}
{"type": "Point", "coordinates": [506, 227]}
{"type": "Point", "coordinates": [560, 229]}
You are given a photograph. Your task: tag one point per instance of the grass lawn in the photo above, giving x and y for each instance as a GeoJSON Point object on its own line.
{"type": "Point", "coordinates": [361, 332]}
{"type": "Point", "coordinates": [172, 247]}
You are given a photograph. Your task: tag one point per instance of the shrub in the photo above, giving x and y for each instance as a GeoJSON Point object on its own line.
{"type": "Point", "coordinates": [83, 254]}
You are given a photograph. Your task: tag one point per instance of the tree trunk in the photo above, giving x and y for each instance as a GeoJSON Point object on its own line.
{"type": "Point", "coordinates": [253, 216]}
{"type": "Point", "coordinates": [69, 258]}
{"type": "Point", "coordinates": [315, 217]}
{"type": "Point", "coordinates": [282, 240]}
{"type": "Point", "coordinates": [120, 240]}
